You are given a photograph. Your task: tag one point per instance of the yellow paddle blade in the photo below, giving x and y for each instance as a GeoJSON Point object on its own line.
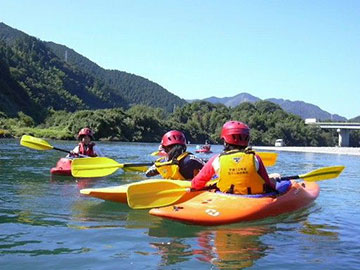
{"type": "Point", "coordinates": [35, 143]}
{"type": "Point", "coordinates": [268, 158]}
{"type": "Point", "coordinates": [322, 174]}
{"type": "Point", "coordinates": [115, 193]}
{"type": "Point", "coordinates": [94, 167]}
{"type": "Point", "coordinates": [135, 168]}
{"type": "Point", "coordinates": [156, 193]}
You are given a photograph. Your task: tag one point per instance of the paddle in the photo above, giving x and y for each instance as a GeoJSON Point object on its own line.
{"type": "Point", "coordinates": [157, 192]}
{"type": "Point", "coordinates": [102, 166]}
{"type": "Point", "coordinates": [160, 193]}
{"type": "Point", "coordinates": [38, 144]}
{"type": "Point", "coordinates": [317, 175]}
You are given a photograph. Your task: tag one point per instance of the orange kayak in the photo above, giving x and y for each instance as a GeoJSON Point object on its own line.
{"type": "Point", "coordinates": [209, 208]}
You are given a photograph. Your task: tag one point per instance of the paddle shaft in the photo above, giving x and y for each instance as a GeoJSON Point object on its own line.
{"type": "Point", "coordinates": [138, 164]}
{"type": "Point", "coordinates": [67, 151]}
{"type": "Point", "coordinates": [284, 178]}
{"type": "Point", "coordinates": [317, 175]}
{"type": "Point", "coordinates": [62, 150]}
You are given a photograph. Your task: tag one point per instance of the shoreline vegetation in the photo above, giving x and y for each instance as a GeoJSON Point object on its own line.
{"type": "Point", "coordinates": [200, 121]}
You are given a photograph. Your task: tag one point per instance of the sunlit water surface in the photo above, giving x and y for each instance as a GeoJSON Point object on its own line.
{"type": "Point", "coordinates": [46, 224]}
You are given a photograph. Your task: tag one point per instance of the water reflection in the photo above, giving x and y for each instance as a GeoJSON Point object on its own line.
{"type": "Point", "coordinates": [320, 230]}
{"type": "Point", "coordinates": [222, 247]}
{"type": "Point", "coordinates": [234, 246]}
{"type": "Point", "coordinates": [92, 214]}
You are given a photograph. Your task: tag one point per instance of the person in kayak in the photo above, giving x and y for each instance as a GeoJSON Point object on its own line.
{"type": "Point", "coordinates": [86, 147]}
{"type": "Point", "coordinates": [178, 164]}
{"type": "Point", "coordinates": [239, 169]}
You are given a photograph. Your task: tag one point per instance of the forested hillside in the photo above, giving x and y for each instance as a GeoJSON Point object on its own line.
{"type": "Point", "coordinates": [135, 89]}
{"type": "Point", "coordinates": [38, 72]}
{"type": "Point", "coordinates": [49, 82]}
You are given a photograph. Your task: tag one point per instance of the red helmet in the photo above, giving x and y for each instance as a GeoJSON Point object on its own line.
{"type": "Point", "coordinates": [173, 137]}
{"type": "Point", "coordinates": [84, 132]}
{"type": "Point", "coordinates": [236, 133]}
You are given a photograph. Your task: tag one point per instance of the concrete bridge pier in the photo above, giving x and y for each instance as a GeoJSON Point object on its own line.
{"type": "Point", "coordinates": [343, 128]}
{"type": "Point", "coordinates": [343, 137]}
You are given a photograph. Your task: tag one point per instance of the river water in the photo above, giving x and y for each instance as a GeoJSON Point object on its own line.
{"type": "Point", "coordinates": [46, 224]}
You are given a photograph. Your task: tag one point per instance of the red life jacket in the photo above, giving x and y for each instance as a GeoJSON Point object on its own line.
{"type": "Point", "coordinates": [87, 149]}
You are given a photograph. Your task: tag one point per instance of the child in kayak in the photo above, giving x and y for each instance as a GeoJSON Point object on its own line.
{"type": "Point", "coordinates": [239, 169]}
{"type": "Point", "coordinates": [86, 147]}
{"type": "Point", "coordinates": [178, 164]}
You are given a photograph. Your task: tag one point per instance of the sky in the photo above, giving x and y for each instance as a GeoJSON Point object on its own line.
{"type": "Point", "coordinates": [297, 50]}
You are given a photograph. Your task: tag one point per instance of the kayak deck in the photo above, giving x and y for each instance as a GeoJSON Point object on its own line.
{"type": "Point", "coordinates": [119, 193]}
{"type": "Point", "coordinates": [209, 208]}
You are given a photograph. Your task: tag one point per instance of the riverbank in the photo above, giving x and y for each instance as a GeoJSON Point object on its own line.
{"type": "Point", "coordinates": [325, 150]}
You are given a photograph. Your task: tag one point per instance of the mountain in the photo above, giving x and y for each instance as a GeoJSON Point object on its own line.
{"type": "Point", "coordinates": [306, 110]}
{"type": "Point", "coordinates": [233, 101]}
{"type": "Point", "coordinates": [48, 75]}
{"type": "Point", "coordinates": [10, 35]}
{"type": "Point", "coordinates": [300, 108]}
{"type": "Point", "coordinates": [355, 119]}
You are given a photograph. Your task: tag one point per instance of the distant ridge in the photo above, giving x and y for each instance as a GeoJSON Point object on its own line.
{"type": "Point", "coordinates": [300, 108]}
{"type": "Point", "coordinates": [306, 110]}
{"type": "Point", "coordinates": [233, 101]}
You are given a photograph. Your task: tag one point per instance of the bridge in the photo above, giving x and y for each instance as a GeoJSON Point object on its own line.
{"type": "Point", "coordinates": [343, 128]}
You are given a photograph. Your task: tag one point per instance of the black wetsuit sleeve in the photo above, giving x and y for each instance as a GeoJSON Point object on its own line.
{"type": "Point", "coordinates": [190, 166]}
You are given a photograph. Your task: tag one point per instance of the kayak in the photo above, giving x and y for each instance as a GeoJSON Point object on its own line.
{"type": "Point", "coordinates": [63, 167]}
{"type": "Point", "coordinates": [216, 208]}
{"type": "Point", "coordinates": [203, 149]}
{"type": "Point", "coordinates": [119, 193]}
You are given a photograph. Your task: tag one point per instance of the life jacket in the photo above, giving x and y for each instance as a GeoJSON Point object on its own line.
{"type": "Point", "coordinates": [170, 169]}
{"type": "Point", "coordinates": [87, 150]}
{"type": "Point", "coordinates": [238, 174]}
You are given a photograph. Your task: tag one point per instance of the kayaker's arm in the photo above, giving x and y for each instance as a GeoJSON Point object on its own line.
{"type": "Point", "coordinates": [205, 175]}
{"type": "Point", "coordinates": [263, 172]}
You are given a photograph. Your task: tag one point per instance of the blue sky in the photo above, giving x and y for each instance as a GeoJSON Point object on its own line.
{"type": "Point", "coordinates": [297, 50]}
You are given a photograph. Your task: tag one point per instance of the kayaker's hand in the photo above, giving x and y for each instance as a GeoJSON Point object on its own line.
{"type": "Point", "coordinates": [274, 178]}
{"type": "Point", "coordinates": [213, 186]}
{"type": "Point", "coordinates": [152, 171]}
{"type": "Point", "coordinates": [73, 154]}
{"type": "Point", "coordinates": [249, 150]}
